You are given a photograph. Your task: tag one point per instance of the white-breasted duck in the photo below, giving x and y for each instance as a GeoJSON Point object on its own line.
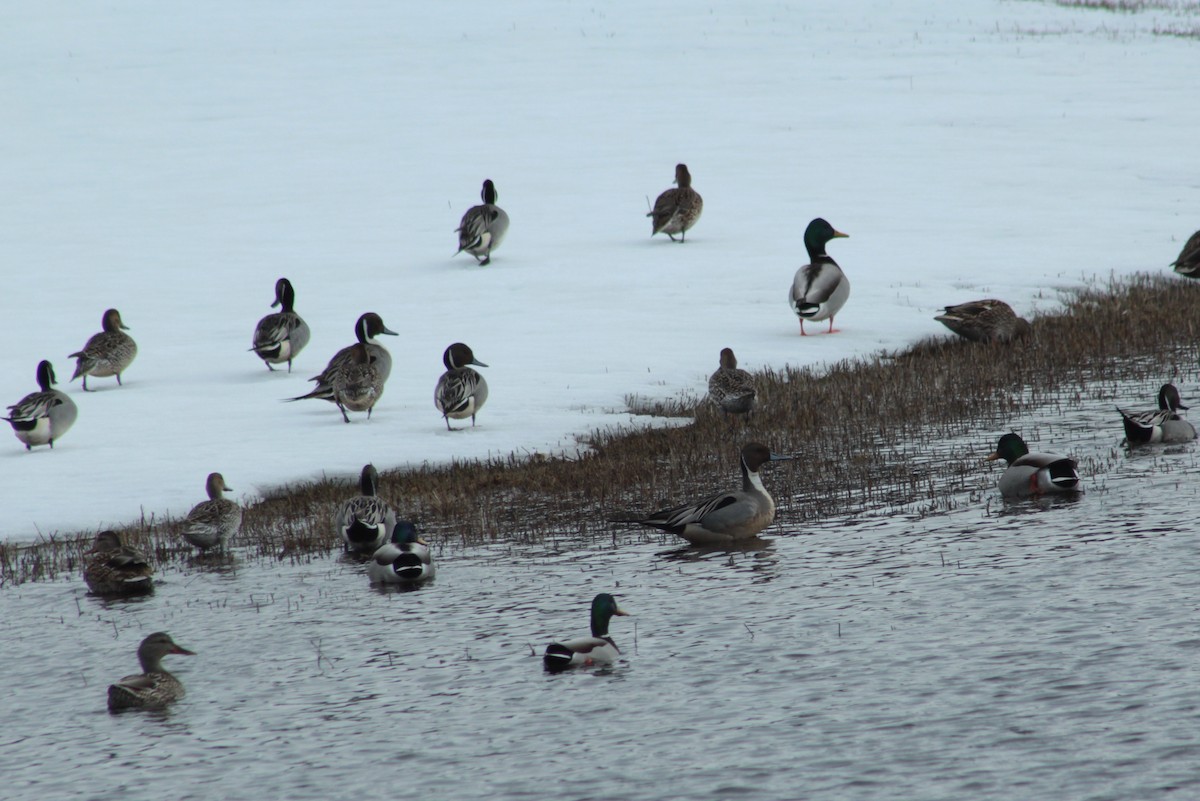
{"type": "Point", "coordinates": [113, 569]}
{"type": "Point", "coordinates": [987, 320]}
{"type": "Point", "coordinates": [819, 288]}
{"type": "Point", "coordinates": [355, 376]}
{"type": "Point", "coordinates": [212, 523]}
{"type": "Point", "coordinates": [1033, 473]}
{"type": "Point", "coordinates": [404, 560]}
{"type": "Point", "coordinates": [460, 392]}
{"type": "Point", "coordinates": [676, 210]}
{"type": "Point", "coordinates": [1188, 263]}
{"type": "Point", "coordinates": [598, 649]}
{"type": "Point", "coordinates": [41, 417]}
{"type": "Point", "coordinates": [154, 687]}
{"type": "Point", "coordinates": [279, 337]}
{"type": "Point", "coordinates": [731, 388]}
{"type": "Point", "coordinates": [365, 521]}
{"type": "Point", "coordinates": [107, 353]}
{"type": "Point", "coordinates": [483, 227]}
{"type": "Point", "coordinates": [1163, 424]}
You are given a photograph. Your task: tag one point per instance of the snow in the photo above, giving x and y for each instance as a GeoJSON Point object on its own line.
{"type": "Point", "coordinates": [173, 161]}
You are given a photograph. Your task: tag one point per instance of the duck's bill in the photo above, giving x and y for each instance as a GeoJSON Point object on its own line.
{"type": "Point", "coordinates": [179, 649]}
{"type": "Point", "coordinates": [992, 457]}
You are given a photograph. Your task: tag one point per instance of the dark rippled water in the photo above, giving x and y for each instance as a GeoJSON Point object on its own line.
{"type": "Point", "coordinates": [996, 651]}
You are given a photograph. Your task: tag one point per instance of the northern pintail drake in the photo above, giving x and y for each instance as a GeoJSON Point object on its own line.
{"type": "Point", "coordinates": [819, 288]}
{"type": "Point", "coordinates": [213, 522]}
{"type": "Point", "coordinates": [483, 227]}
{"type": "Point", "coordinates": [1164, 424]}
{"type": "Point", "coordinates": [279, 337]}
{"type": "Point", "coordinates": [154, 687]}
{"type": "Point", "coordinates": [598, 649]}
{"type": "Point", "coordinates": [461, 391]}
{"type": "Point", "coordinates": [112, 568]}
{"type": "Point", "coordinates": [366, 520]}
{"type": "Point", "coordinates": [1033, 473]}
{"type": "Point", "coordinates": [1188, 263]}
{"type": "Point", "coordinates": [676, 210]}
{"type": "Point", "coordinates": [107, 353]}
{"type": "Point", "coordinates": [404, 560]}
{"type": "Point", "coordinates": [987, 320]}
{"type": "Point", "coordinates": [354, 378]}
{"type": "Point", "coordinates": [727, 517]}
{"type": "Point", "coordinates": [730, 387]}
{"type": "Point", "coordinates": [41, 417]}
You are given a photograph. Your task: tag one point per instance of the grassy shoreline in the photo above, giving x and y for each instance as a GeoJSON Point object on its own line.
{"type": "Point", "coordinates": [856, 425]}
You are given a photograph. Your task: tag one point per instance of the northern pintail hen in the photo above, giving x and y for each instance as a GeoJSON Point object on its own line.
{"type": "Point", "coordinates": [731, 388]}
{"type": "Point", "coordinates": [483, 227]}
{"type": "Point", "coordinates": [41, 417]}
{"type": "Point", "coordinates": [366, 520]}
{"type": "Point", "coordinates": [676, 210]}
{"type": "Point", "coordinates": [112, 568]}
{"type": "Point", "coordinates": [987, 320]}
{"type": "Point", "coordinates": [1033, 473]}
{"type": "Point", "coordinates": [107, 353]}
{"type": "Point", "coordinates": [154, 687]}
{"type": "Point", "coordinates": [354, 378]}
{"type": "Point", "coordinates": [819, 288]}
{"type": "Point", "coordinates": [461, 391]}
{"type": "Point", "coordinates": [404, 560]}
{"type": "Point", "coordinates": [1188, 263]}
{"type": "Point", "coordinates": [279, 337]}
{"type": "Point", "coordinates": [726, 517]}
{"type": "Point", "coordinates": [213, 522]}
{"type": "Point", "coordinates": [1161, 425]}
{"type": "Point", "coordinates": [598, 649]}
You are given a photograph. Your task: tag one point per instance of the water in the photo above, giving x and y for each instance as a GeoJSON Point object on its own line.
{"type": "Point", "coordinates": [992, 651]}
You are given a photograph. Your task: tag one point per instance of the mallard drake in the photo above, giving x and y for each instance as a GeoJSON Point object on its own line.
{"type": "Point", "coordinates": [404, 560]}
{"type": "Point", "coordinates": [1161, 425]}
{"type": "Point", "coordinates": [279, 337]}
{"type": "Point", "coordinates": [1188, 263]}
{"type": "Point", "coordinates": [987, 320]}
{"type": "Point", "coordinates": [598, 649]}
{"type": "Point", "coordinates": [730, 388]}
{"type": "Point", "coordinates": [366, 520]}
{"type": "Point", "coordinates": [107, 353]}
{"type": "Point", "coordinates": [213, 522]}
{"type": "Point", "coordinates": [483, 227]}
{"type": "Point", "coordinates": [1033, 473]}
{"type": "Point", "coordinates": [355, 376]}
{"type": "Point", "coordinates": [676, 210]}
{"type": "Point", "coordinates": [112, 568]}
{"type": "Point", "coordinates": [461, 391]}
{"type": "Point", "coordinates": [154, 687]}
{"type": "Point", "coordinates": [41, 417]}
{"type": "Point", "coordinates": [726, 517]}
{"type": "Point", "coordinates": [819, 288]}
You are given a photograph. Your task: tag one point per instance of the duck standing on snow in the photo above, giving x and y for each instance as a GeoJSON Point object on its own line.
{"type": "Point", "coordinates": [987, 320]}
{"type": "Point", "coordinates": [598, 649]}
{"type": "Point", "coordinates": [676, 210]}
{"type": "Point", "coordinates": [404, 560]}
{"type": "Point", "coordinates": [1161, 425]}
{"type": "Point", "coordinates": [461, 391]}
{"type": "Point", "coordinates": [154, 687]}
{"type": "Point", "coordinates": [355, 376]}
{"type": "Point", "coordinates": [112, 568]}
{"type": "Point", "coordinates": [819, 288]}
{"type": "Point", "coordinates": [730, 388]}
{"type": "Point", "coordinates": [107, 353]}
{"type": "Point", "coordinates": [366, 520]}
{"type": "Point", "coordinates": [1188, 263]}
{"type": "Point", "coordinates": [279, 337]}
{"type": "Point", "coordinates": [726, 517]}
{"type": "Point", "coordinates": [41, 417]}
{"type": "Point", "coordinates": [483, 227]}
{"type": "Point", "coordinates": [213, 522]}
{"type": "Point", "coordinates": [1033, 473]}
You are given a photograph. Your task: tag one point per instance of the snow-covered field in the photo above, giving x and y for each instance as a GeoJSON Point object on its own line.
{"type": "Point", "coordinates": [173, 161]}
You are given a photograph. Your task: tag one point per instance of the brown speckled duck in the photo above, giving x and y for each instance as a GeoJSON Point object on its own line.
{"type": "Point", "coordinates": [731, 388]}
{"type": "Point", "coordinates": [1188, 263]}
{"type": "Point", "coordinates": [987, 320]}
{"type": "Point", "coordinates": [154, 687]}
{"type": "Point", "coordinates": [113, 568]}
{"type": "Point", "coordinates": [676, 210]}
{"type": "Point", "coordinates": [211, 523]}
{"type": "Point", "coordinates": [107, 353]}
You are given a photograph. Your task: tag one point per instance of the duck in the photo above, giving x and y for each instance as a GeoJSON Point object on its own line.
{"type": "Point", "coordinates": [154, 687]}
{"type": "Point", "coordinates": [280, 337]}
{"type": "Point", "coordinates": [1161, 425]}
{"type": "Point", "coordinates": [107, 353]}
{"type": "Point", "coordinates": [354, 378]}
{"type": "Point", "coordinates": [1188, 263]}
{"type": "Point", "coordinates": [726, 517]}
{"type": "Point", "coordinates": [213, 522]}
{"type": "Point", "coordinates": [460, 392]}
{"type": "Point", "coordinates": [987, 320]}
{"type": "Point", "coordinates": [366, 520]}
{"type": "Point", "coordinates": [598, 649]}
{"type": "Point", "coordinates": [676, 210]}
{"type": "Point", "coordinates": [819, 288]}
{"type": "Point", "coordinates": [483, 227]}
{"type": "Point", "coordinates": [41, 417]}
{"type": "Point", "coordinates": [1033, 473]}
{"type": "Point", "coordinates": [112, 568]}
{"type": "Point", "coordinates": [404, 560]}
{"type": "Point", "coordinates": [730, 388]}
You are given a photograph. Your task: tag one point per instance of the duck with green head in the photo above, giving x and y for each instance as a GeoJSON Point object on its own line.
{"type": "Point", "coordinates": [598, 649]}
{"type": "Point", "coordinates": [1033, 473]}
{"type": "Point", "coordinates": [819, 288]}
